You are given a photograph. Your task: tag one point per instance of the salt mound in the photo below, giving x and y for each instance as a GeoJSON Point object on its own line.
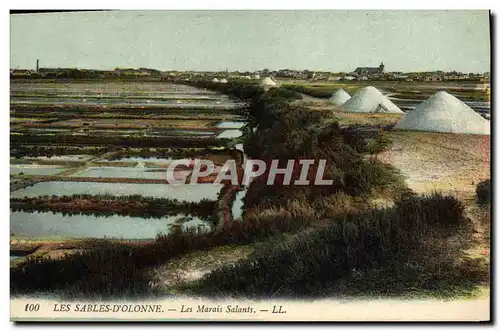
{"type": "Point", "coordinates": [223, 80]}
{"type": "Point", "coordinates": [444, 113]}
{"type": "Point", "coordinates": [370, 100]}
{"type": "Point", "coordinates": [339, 97]}
{"type": "Point", "coordinates": [268, 82]}
{"type": "Point", "coordinates": [215, 80]}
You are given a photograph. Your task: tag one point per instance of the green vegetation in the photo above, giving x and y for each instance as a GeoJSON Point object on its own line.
{"type": "Point", "coordinates": [313, 91]}
{"type": "Point", "coordinates": [42, 110]}
{"type": "Point", "coordinates": [105, 205]}
{"type": "Point", "coordinates": [169, 153]}
{"type": "Point", "coordinates": [345, 255]}
{"type": "Point", "coordinates": [19, 150]}
{"type": "Point", "coordinates": [283, 92]}
{"type": "Point", "coordinates": [367, 139]}
{"type": "Point", "coordinates": [483, 192]}
{"type": "Point", "coordinates": [127, 141]}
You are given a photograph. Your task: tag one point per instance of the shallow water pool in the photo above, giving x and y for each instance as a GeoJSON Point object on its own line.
{"type": "Point", "coordinates": [47, 224]}
{"type": "Point", "coordinates": [182, 192]}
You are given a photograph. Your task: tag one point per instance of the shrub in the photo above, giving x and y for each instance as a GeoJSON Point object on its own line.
{"type": "Point", "coordinates": [377, 145]}
{"type": "Point", "coordinates": [367, 176]}
{"type": "Point", "coordinates": [435, 210]}
{"type": "Point", "coordinates": [483, 192]}
{"type": "Point", "coordinates": [317, 93]}
{"type": "Point", "coordinates": [88, 273]}
{"type": "Point", "coordinates": [284, 92]}
{"type": "Point", "coordinates": [366, 138]}
{"type": "Point", "coordinates": [314, 259]}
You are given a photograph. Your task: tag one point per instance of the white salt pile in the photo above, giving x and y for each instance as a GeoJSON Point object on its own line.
{"type": "Point", "coordinates": [223, 80]}
{"type": "Point", "coordinates": [339, 97]}
{"type": "Point", "coordinates": [268, 82]}
{"type": "Point", "coordinates": [215, 80]}
{"type": "Point", "coordinates": [370, 100]}
{"type": "Point", "coordinates": [444, 113]}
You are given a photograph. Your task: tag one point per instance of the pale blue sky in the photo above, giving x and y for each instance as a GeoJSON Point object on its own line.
{"type": "Point", "coordinates": [250, 40]}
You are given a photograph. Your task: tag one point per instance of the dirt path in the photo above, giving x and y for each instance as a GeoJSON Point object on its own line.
{"type": "Point", "coordinates": [193, 266]}
{"type": "Point", "coordinates": [450, 163]}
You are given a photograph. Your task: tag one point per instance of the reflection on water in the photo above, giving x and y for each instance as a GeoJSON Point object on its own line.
{"type": "Point", "coordinates": [181, 192]}
{"type": "Point", "coordinates": [230, 134]}
{"type": "Point", "coordinates": [231, 125]}
{"type": "Point", "coordinates": [47, 224]}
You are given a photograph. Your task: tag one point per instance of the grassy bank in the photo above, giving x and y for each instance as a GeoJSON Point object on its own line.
{"type": "Point", "coordinates": [323, 92]}
{"type": "Point", "coordinates": [106, 205]}
{"type": "Point", "coordinates": [410, 249]}
{"type": "Point", "coordinates": [126, 141]}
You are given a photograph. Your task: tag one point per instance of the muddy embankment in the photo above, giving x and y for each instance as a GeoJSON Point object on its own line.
{"type": "Point", "coordinates": [41, 247]}
{"type": "Point", "coordinates": [133, 206]}
{"type": "Point", "coordinates": [223, 208]}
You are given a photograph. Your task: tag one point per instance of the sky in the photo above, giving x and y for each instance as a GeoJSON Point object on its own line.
{"type": "Point", "coordinates": [337, 41]}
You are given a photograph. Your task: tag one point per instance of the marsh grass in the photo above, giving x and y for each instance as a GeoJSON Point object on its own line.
{"type": "Point", "coordinates": [414, 247]}
{"type": "Point", "coordinates": [102, 205]}
{"type": "Point", "coordinates": [483, 192]}
{"type": "Point", "coordinates": [323, 92]}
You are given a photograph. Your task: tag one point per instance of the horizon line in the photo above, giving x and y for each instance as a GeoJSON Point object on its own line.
{"type": "Point", "coordinates": [255, 70]}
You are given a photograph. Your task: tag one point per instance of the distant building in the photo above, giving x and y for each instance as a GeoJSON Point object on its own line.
{"type": "Point", "coordinates": [144, 72]}
{"type": "Point", "coordinates": [398, 75]}
{"type": "Point", "coordinates": [21, 72]}
{"type": "Point", "coordinates": [132, 72]}
{"type": "Point", "coordinates": [370, 71]}
{"type": "Point", "coordinates": [433, 78]}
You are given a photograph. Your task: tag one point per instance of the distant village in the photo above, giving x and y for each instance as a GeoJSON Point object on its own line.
{"type": "Point", "coordinates": [359, 74]}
